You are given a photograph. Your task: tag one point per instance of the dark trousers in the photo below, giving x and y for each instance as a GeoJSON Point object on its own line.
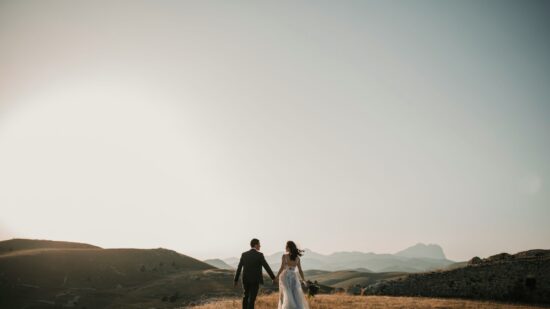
{"type": "Point", "coordinates": [250, 293]}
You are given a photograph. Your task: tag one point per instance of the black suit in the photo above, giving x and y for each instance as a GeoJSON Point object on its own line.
{"type": "Point", "coordinates": [252, 262]}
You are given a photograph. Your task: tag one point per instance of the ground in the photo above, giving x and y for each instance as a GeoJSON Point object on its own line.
{"type": "Point", "coordinates": [341, 301]}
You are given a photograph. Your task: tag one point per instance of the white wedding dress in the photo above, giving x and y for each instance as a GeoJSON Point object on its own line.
{"type": "Point", "coordinates": [291, 295]}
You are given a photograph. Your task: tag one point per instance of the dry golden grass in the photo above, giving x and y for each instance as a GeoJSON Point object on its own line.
{"type": "Point", "coordinates": [342, 301]}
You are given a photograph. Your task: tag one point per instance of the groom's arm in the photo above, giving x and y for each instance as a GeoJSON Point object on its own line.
{"type": "Point", "coordinates": [267, 268]}
{"type": "Point", "coordinates": [282, 267]}
{"type": "Point", "coordinates": [238, 273]}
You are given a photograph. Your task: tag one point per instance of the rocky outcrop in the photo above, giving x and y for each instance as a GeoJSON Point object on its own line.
{"type": "Point", "coordinates": [524, 276]}
{"type": "Point", "coordinates": [475, 261]}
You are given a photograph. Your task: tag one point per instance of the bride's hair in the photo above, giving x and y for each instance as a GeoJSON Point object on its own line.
{"type": "Point", "coordinates": [293, 250]}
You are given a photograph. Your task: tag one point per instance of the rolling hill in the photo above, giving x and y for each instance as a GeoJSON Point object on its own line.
{"type": "Point", "coordinates": [219, 264]}
{"type": "Point", "coordinates": [14, 245]}
{"type": "Point", "coordinates": [524, 277]}
{"type": "Point", "coordinates": [87, 276]}
{"type": "Point", "coordinates": [346, 279]}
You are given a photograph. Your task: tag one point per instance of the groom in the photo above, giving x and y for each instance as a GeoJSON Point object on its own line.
{"type": "Point", "coordinates": [252, 262]}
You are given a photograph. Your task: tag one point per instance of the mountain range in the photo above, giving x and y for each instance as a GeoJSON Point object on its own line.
{"type": "Point", "coordinates": [417, 258]}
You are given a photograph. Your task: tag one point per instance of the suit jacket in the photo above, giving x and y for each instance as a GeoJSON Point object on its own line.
{"type": "Point", "coordinates": [251, 263]}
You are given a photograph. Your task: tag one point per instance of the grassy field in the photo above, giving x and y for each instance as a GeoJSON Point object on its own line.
{"type": "Point", "coordinates": [345, 279]}
{"type": "Point", "coordinates": [371, 302]}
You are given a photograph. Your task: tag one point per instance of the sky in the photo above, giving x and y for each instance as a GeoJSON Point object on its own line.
{"type": "Point", "coordinates": [342, 125]}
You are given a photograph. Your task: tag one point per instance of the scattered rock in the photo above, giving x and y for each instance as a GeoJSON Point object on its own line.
{"type": "Point", "coordinates": [475, 261]}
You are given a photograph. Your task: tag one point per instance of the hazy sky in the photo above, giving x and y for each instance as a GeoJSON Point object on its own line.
{"type": "Point", "coordinates": [343, 125]}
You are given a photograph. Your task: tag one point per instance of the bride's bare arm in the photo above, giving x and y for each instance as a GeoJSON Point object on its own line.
{"type": "Point", "coordinates": [282, 267]}
{"type": "Point", "coordinates": [300, 270]}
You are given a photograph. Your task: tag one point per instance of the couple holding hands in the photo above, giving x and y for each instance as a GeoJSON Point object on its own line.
{"type": "Point", "coordinates": [290, 276]}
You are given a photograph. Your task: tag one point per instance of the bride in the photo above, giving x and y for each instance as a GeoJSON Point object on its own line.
{"type": "Point", "coordinates": [291, 295]}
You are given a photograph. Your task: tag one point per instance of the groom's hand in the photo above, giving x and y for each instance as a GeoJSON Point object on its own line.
{"type": "Point", "coordinates": [235, 283]}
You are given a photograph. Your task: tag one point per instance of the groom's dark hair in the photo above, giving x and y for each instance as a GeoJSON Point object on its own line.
{"type": "Point", "coordinates": [254, 242]}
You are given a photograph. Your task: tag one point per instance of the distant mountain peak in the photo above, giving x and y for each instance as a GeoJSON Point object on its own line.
{"type": "Point", "coordinates": [421, 250]}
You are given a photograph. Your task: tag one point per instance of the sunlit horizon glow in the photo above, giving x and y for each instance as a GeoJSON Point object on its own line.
{"type": "Point", "coordinates": [345, 126]}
